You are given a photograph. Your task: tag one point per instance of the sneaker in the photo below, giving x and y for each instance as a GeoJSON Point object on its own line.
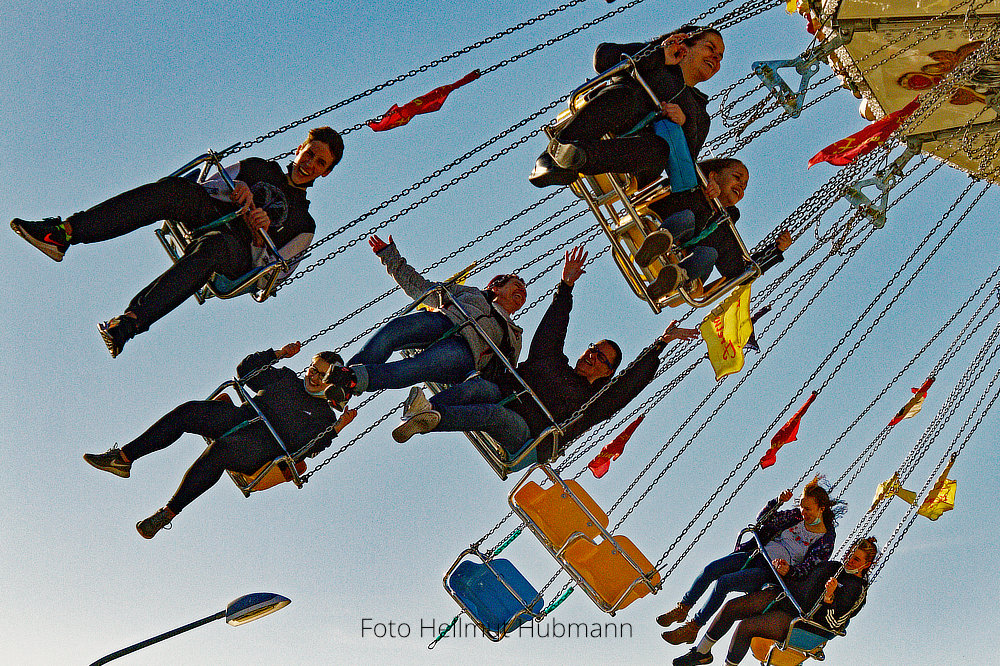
{"type": "Point", "coordinates": [339, 375]}
{"type": "Point", "coordinates": [110, 461]}
{"type": "Point", "coordinates": [678, 614]}
{"type": "Point", "coordinates": [416, 403]}
{"type": "Point", "coordinates": [150, 526]}
{"type": "Point", "coordinates": [567, 155]}
{"type": "Point", "coordinates": [693, 657]}
{"type": "Point", "coordinates": [654, 245]}
{"type": "Point", "coordinates": [416, 424]}
{"type": "Point", "coordinates": [46, 235]}
{"type": "Point", "coordinates": [667, 280]}
{"type": "Point", "coordinates": [686, 633]}
{"type": "Point", "coordinates": [337, 397]}
{"type": "Point", "coordinates": [116, 332]}
{"type": "Point", "coordinates": [547, 172]}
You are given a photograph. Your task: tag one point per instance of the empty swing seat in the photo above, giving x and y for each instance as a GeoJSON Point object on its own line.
{"type": "Point", "coordinates": [486, 597]}
{"type": "Point", "coordinates": [610, 576]}
{"type": "Point", "coordinates": [556, 515]}
{"type": "Point", "coordinates": [800, 645]}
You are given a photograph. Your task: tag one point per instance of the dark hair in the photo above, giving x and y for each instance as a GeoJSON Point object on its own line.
{"type": "Point", "coordinates": [869, 548]}
{"type": "Point", "coordinates": [331, 357]}
{"type": "Point", "coordinates": [695, 32]}
{"type": "Point", "coordinates": [331, 138]}
{"type": "Point", "coordinates": [500, 280]}
{"type": "Point", "coordinates": [821, 496]}
{"type": "Point", "coordinates": [618, 354]}
{"type": "Point", "coordinates": [717, 164]}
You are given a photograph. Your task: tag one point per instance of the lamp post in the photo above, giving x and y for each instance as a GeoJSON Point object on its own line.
{"type": "Point", "coordinates": [245, 609]}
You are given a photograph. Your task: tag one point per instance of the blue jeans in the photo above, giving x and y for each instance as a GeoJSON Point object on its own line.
{"type": "Point", "coordinates": [472, 406]}
{"type": "Point", "coordinates": [446, 361]}
{"type": "Point", "coordinates": [700, 262]}
{"type": "Point", "coordinates": [728, 575]}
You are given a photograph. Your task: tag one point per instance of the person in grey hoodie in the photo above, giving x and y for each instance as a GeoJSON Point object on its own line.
{"type": "Point", "coordinates": [451, 348]}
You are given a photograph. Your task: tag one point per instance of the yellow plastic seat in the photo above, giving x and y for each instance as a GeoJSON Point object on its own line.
{"type": "Point", "coordinates": [791, 657]}
{"type": "Point", "coordinates": [556, 514]}
{"type": "Point", "coordinates": [608, 573]}
{"type": "Point", "coordinates": [268, 476]}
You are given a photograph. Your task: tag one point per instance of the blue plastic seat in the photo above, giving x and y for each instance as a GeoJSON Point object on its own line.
{"type": "Point", "coordinates": [487, 599]}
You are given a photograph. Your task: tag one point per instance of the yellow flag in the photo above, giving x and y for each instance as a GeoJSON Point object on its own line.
{"type": "Point", "coordinates": [726, 329]}
{"type": "Point", "coordinates": [892, 487]}
{"type": "Point", "coordinates": [941, 498]}
{"type": "Point", "coordinates": [457, 278]}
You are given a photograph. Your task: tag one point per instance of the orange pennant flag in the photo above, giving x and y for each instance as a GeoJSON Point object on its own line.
{"type": "Point", "coordinates": [602, 463]}
{"type": "Point", "coordinates": [861, 143]}
{"type": "Point", "coordinates": [913, 405]}
{"type": "Point", "coordinates": [786, 434]}
{"type": "Point", "coordinates": [397, 116]}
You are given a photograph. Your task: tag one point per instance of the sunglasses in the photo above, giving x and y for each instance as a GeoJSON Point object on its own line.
{"type": "Point", "coordinates": [593, 348]}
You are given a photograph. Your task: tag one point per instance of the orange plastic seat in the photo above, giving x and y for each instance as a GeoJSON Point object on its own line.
{"type": "Point", "coordinates": [555, 513]}
{"type": "Point", "coordinates": [804, 645]}
{"type": "Point", "coordinates": [269, 475]}
{"type": "Point", "coordinates": [608, 573]}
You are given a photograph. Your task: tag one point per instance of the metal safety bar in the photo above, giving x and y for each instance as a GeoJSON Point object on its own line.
{"type": "Point", "coordinates": [175, 238]}
{"type": "Point", "coordinates": [488, 447]}
{"type": "Point", "coordinates": [602, 193]}
{"type": "Point", "coordinates": [287, 458]}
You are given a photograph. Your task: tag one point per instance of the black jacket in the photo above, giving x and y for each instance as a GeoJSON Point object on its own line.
{"type": "Point", "coordinates": [296, 415]}
{"type": "Point", "coordinates": [548, 372]}
{"type": "Point", "coordinates": [667, 81]}
{"type": "Point", "coordinates": [849, 598]}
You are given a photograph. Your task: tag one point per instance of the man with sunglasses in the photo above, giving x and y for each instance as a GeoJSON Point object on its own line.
{"type": "Point", "coordinates": [451, 348]}
{"type": "Point", "coordinates": [481, 405]}
{"type": "Point", "coordinates": [297, 408]}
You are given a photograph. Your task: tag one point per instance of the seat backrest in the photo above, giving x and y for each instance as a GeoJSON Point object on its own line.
{"type": "Point", "coordinates": [607, 571]}
{"type": "Point", "coordinates": [486, 597]}
{"type": "Point", "coordinates": [556, 514]}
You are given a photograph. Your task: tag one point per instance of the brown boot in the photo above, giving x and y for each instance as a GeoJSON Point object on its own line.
{"type": "Point", "coordinates": [686, 633]}
{"type": "Point", "coordinates": [678, 614]}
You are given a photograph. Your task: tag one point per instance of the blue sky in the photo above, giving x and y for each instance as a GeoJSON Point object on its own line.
{"type": "Point", "coordinates": [105, 97]}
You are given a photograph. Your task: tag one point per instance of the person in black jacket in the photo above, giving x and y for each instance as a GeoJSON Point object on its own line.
{"type": "Point", "coordinates": [480, 405]}
{"type": "Point", "coordinates": [840, 589]}
{"type": "Point", "coordinates": [672, 66]}
{"type": "Point", "coordinates": [689, 219]}
{"type": "Point", "coordinates": [295, 407]}
{"type": "Point", "coordinates": [270, 197]}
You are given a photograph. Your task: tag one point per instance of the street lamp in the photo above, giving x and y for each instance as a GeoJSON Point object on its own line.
{"type": "Point", "coordinates": [245, 609]}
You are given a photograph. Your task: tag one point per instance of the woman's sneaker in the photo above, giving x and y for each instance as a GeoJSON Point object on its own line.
{"type": "Point", "coordinates": [46, 235]}
{"type": "Point", "coordinates": [111, 460]}
{"type": "Point", "coordinates": [150, 526]}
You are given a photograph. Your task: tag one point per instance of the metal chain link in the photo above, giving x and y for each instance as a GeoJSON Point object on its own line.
{"type": "Point", "coordinates": [398, 79]}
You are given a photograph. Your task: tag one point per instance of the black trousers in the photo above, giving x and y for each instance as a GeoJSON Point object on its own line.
{"type": "Point", "coordinates": [219, 251]}
{"type": "Point", "coordinates": [616, 110]}
{"type": "Point", "coordinates": [245, 451]}
{"type": "Point", "coordinates": [748, 610]}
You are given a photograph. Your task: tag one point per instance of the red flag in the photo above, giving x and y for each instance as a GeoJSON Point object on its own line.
{"type": "Point", "coordinates": [786, 434]}
{"type": "Point", "coordinates": [861, 143]}
{"type": "Point", "coordinates": [913, 405]}
{"type": "Point", "coordinates": [600, 465]}
{"type": "Point", "coordinates": [397, 116]}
